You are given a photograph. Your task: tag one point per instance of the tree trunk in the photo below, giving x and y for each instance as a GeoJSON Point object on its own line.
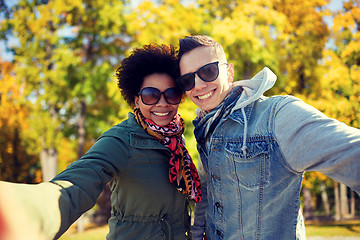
{"type": "Point", "coordinates": [81, 146]}
{"type": "Point", "coordinates": [344, 207]}
{"type": "Point", "coordinates": [247, 70]}
{"type": "Point", "coordinates": [308, 204]}
{"type": "Point", "coordinates": [17, 164]}
{"type": "Point", "coordinates": [49, 154]}
{"type": "Point", "coordinates": [81, 129]}
{"type": "Point", "coordinates": [325, 199]}
{"type": "Point", "coordinates": [337, 201]}
{"type": "Point", "coordinates": [352, 205]}
{"type": "Point", "coordinates": [48, 158]}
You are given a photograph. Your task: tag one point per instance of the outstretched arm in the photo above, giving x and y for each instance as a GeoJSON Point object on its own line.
{"type": "Point", "coordinates": [47, 210]}
{"type": "Point", "coordinates": [23, 219]}
{"type": "Point", "coordinates": [310, 141]}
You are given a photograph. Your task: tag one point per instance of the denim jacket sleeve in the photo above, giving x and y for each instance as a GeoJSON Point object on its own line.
{"type": "Point", "coordinates": [311, 141]}
{"type": "Point", "coordinates": [198, 229]}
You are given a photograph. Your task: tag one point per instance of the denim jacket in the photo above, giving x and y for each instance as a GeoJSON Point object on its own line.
{"type": "Point", "coordinates": [255, 194]}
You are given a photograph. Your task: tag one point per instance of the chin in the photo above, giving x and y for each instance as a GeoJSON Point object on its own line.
{"type": "Point", "coordinates": [207, 107]}
{"type": "Point", "coordinates": [162, 122]}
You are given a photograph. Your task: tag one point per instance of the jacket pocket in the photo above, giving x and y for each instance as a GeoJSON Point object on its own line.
{"type": "Point", "coordinates": [160, 235]}
{"type": "Point", "coordinates": [140, 228]}
{"type": "Point", "coordinates": [252, 169]}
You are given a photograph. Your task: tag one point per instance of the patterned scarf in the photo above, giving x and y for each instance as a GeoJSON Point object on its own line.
{"type": "Point", "coordinates": [207, 122]}
{"type": "Point", "coordinates": [182, 170]}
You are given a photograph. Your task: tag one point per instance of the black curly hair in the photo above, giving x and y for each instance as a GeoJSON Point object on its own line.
{"type": "Point", "coordinates": [142, 62]}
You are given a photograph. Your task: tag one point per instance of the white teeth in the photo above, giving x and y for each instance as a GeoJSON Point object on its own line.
{"type": "Point", "coordinates": [205, 96]}
{"type": "Point", "coordinates": [161, 114]}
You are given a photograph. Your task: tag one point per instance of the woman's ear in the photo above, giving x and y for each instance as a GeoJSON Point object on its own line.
{"type": "Point", "coordinates": [137, 99]}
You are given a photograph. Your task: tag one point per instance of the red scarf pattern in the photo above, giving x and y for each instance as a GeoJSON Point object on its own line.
{"type": "Point", "coordinates": [182, 170]}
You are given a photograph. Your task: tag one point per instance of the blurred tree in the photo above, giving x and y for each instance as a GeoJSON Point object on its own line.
{"type": "Point", "coordinates": [35, 28]}
{"type": "Point", "coordinates": [305, 35]}
{"type": "Point", "coordinates": [338, 94]}
{"type": "Point", "coordinates": [66, 56]}
{"type": "Point", "coordinates": [17, 164]}
{"type": "Point", "coordinates": [315, 185]}
{"type": "Point", "coordinates": [164, 21]}
{"type": "Point", "coordinates": [248, 31]}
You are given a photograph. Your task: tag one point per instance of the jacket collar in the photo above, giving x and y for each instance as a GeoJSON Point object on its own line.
{"type": "Point", "coordinates": [238, 117]}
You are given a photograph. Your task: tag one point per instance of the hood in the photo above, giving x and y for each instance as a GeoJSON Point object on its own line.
{"type": "Point", "coordinates": [255, 87]}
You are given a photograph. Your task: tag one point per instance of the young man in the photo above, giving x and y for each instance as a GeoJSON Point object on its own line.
{"type": "Point", "coordinates": [254, 149]}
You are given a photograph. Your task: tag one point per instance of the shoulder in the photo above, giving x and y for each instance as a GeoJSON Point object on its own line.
{"type": "Point", "coordinates": [291, 105]}
{"type": "Point", "coordinates": [123, 129]}
{"type": "Point", "coordinates": [266, 104]}
{"type": "Point", "coordinates": [275, 99]}
{"type": "Point", "coordinates": [285, 102]}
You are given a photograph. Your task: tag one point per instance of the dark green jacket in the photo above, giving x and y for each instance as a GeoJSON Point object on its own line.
{"type": "Point", "coordinates": [144, 204]}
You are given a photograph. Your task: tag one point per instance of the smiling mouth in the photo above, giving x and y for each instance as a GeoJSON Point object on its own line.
{"type": "Point", "coordinates": [161, 114]}
{"type": "Point", "coordinates": [205, 96]}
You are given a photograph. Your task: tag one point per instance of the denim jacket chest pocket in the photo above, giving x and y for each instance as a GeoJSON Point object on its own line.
{"type": "Point", "coordinates": [252, 169]}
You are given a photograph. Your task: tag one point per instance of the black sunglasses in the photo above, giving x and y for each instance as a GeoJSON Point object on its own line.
{"type": "Point", "coordinates": [151, 96]}
{"type": "Point", "coordinates": [207, 73]}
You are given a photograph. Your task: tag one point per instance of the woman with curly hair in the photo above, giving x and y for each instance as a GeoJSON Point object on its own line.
{"type": "Point", "coordinates": [144, 159]}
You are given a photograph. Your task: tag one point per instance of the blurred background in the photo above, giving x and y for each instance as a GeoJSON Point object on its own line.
{"type": "Point", "coordinates": [58, 58]}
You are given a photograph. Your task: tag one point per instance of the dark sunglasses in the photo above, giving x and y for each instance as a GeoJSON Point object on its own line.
{"type": "Point", "coordinates": [151, 96]}
{"type": "Point", "coordinates": [207, 73]}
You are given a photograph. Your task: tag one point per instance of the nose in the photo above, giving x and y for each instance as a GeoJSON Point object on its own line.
{"type": "Point", "coordinates": [199, 84]}
{"type": "Point", "coordinates": [162, 100]}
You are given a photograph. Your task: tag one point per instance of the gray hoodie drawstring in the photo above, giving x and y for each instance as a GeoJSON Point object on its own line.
{"type": "Point", "coordinates": [244, 147]}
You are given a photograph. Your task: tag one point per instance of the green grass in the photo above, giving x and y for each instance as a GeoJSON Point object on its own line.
{"type": "Point", "coordinates": [317, 229]}
{"type": "Point", "coordinates": [348, 228]}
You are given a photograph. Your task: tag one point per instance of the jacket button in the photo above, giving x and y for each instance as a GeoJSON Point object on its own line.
{"type": "Point", "coordinates": [216, 177]}
{"type": "Point", "coordinates": [219, 233]}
